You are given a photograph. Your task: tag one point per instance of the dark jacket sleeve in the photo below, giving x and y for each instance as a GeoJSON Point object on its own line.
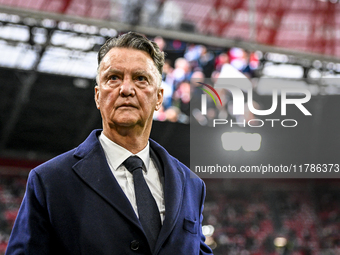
{"type": "Point", "coordinates": [204, 248]}
{"type": "Point", "coordinates": [31, 233]}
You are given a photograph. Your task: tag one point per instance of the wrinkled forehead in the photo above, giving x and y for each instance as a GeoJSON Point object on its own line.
{"type": "Point", "coordinates": [122, 54]}
{"type": "Point", "coordinates": [128, 57]}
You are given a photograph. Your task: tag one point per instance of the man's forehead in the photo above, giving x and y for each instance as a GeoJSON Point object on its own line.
{"type": "Point", "coordinates": [119, 53]}
{"type": "Point", "coordinates": [127, 56]}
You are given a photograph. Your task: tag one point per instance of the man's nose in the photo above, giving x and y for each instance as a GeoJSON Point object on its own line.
{"type": "Point", "coordinates": [127, 88]}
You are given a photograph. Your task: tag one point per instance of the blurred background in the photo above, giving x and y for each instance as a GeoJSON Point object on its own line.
{"type": "Point", "coordinates": [48, 65]}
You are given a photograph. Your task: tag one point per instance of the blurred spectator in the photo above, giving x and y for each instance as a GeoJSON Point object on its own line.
{"type": "Point", "coordinates": [192, 53]}
{"type": "Point", "coordinates": [160, 42]}
{"type": "Point", "coordinates": [160, 114]}
{"type": "Point", "coordinates": [214, 76]}
{"type": "Point", "coordinates": [206, 61]}
{"type": "Point", "coordinates": [182, 97]}
{"type": "Point", "coordinates": [247, 70]}
{"type": "Point", "coordinates": [237, 58]}
{"type": "Point", "coordinates": [172, 114]}
{"type": "Point", "coordinates": [182, 71]}
{"type": "Point", "coordinates": [221, 59]}
{"type": "Point", "coordinates": [196, 77]}
{"type": "Point", "coordinates": [167, 84]}
{"type": "Point", "coordinates": [251, 65]}
{"type": "Point", "coordinates": [167, 94]}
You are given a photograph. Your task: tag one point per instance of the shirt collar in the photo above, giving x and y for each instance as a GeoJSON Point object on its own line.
{"type": "Point", "coordinates": [116, 154]}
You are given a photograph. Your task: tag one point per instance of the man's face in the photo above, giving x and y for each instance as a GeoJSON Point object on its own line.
{"type": "Point", "coordinates": [128, 89]}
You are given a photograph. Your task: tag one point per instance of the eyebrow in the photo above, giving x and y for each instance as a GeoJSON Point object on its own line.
{"type": "Point", "coordinates": [142, 72]}
{"type": "Point", "coordinates": [137, 72]}
{"type": "Point", "coordinates": [110, 70]}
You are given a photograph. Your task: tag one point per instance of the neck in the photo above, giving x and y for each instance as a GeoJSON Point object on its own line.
{"type": "Point", "coordinates": [128, 138]}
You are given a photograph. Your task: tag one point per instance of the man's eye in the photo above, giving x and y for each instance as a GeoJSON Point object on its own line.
{"type": "Point", "coordinates": [141, 78]}
{"type": "Point", "coordinates": [114, 77]}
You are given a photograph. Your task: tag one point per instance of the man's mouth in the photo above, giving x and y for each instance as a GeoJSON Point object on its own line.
{"type": "Point", "coordinates": [127, 106]}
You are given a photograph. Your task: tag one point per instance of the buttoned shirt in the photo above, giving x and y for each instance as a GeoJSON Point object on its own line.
{"type": "Point", "coordinates": [116, 155]}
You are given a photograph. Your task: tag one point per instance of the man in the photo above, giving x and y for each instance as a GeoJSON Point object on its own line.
{"type": "Point", "coordinates": [87, 201]}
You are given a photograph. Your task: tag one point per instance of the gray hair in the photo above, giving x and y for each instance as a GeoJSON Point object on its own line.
{"type": "Point", "coordinates": [135, 41]}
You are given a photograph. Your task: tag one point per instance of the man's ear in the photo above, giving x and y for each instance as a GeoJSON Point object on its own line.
{"type": "Point", "coordinates": [96, 96]}
{"type": "Point", "coordinates": [159, 98]}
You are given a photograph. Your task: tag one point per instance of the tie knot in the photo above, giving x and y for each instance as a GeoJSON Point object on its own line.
{"type": "Point", "coordinates": [132, 163]}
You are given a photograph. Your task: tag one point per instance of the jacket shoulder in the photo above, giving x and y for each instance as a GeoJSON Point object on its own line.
{"type": "Point", "coordinates": [61, 162]}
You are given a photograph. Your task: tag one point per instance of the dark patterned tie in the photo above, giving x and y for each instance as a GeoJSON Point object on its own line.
{"type": "Point", "coordinates": [147, 208]}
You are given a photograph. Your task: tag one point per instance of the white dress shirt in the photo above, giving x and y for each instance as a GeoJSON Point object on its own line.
{"type": "Point", "coordinates": [116, 155]}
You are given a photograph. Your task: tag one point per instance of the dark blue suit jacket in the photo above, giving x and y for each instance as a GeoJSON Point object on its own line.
{"type": "Point", "coordinates": [74, 205]}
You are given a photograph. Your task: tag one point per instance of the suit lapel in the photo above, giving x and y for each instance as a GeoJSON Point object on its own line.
{"type": "Point", "coordinates": [95, 172]}
{"type": "Point", "coordinates": [173, 186]}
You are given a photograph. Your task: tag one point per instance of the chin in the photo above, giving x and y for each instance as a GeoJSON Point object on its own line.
{"type": "Point", "coordinates": [125, 123]}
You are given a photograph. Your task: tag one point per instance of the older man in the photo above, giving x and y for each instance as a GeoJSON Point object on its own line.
{"type": "Point", "coordinates": [119, 192]}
